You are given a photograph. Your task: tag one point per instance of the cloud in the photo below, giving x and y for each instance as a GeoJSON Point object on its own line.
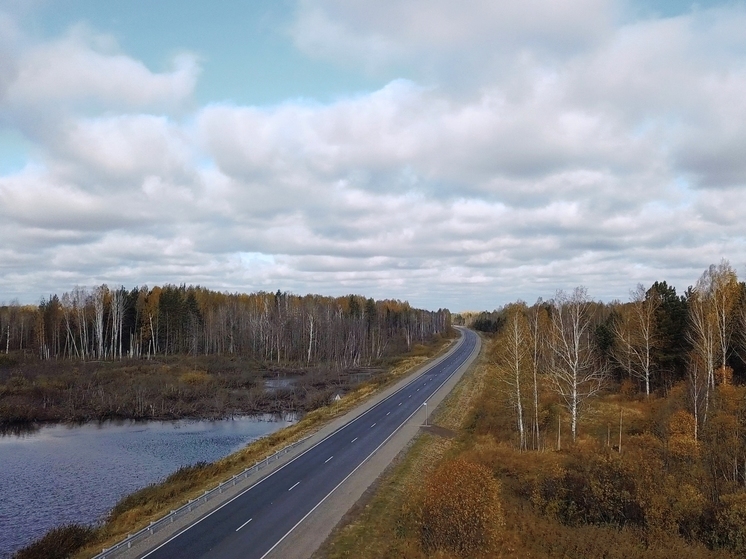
{"type": "Point", "coordinates": [125, 148]}
{"type": "Point", "coordinates": [83, 68]}
{"type": "Point", "coordinates": [590, 150]}
{"type": "Point", "coordinates": [439, 35]}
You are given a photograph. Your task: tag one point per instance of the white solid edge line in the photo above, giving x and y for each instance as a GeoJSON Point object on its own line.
{"type": "Point", "coordinates": [271, 549]}
{"type": "Point", "coordinates": [428, 369]}
{"type": "Point", "coordinates": [244, 524]}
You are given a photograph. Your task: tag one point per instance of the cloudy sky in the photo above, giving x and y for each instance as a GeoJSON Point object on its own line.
{"type": "Point", "coordinates": [457, 154]}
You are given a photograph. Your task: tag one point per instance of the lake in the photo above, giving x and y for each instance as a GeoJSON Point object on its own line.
{"type": "Point", "coordinates": [61, 474]}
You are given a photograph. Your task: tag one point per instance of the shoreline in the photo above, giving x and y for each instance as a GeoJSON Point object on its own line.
{"type": "Point", "coordinates": [19, 429]}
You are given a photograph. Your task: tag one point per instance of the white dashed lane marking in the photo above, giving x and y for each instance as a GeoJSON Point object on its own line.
{"type": "Point", "coordinates": [244, 524]}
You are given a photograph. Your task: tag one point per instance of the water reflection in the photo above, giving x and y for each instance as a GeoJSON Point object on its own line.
{"type": "Point", "coordinates": [53, 475]}
{"type": "Point", "coordinates": [273, 385]}
{"type": "Point", "coordinates": [18, 430]}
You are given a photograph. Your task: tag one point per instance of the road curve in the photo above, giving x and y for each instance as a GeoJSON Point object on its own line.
{"type": "Point", "coordinates": [252, 524]}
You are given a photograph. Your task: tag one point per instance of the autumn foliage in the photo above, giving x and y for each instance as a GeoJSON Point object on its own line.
{"type": "Point", "coordinates": [461, 510]}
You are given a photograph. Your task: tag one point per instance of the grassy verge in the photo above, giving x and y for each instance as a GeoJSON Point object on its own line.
{"type": "Point", "coordinates": [138, 509]}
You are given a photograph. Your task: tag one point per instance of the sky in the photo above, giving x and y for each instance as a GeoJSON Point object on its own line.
{"type": "Point", "coordinates": [452, 154]}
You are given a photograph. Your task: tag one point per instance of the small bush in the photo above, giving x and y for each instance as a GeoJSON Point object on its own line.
{"type": "Point", "coordinates": [730, 523]}
{"type": "Point", "coordinates": [58, 543]}
{"type": "Point", "coordinates": [195, 378]}
{"type": "Point", "coordinates": [461, 511]}
{"type": "Point", "coordinates": [6, 361]}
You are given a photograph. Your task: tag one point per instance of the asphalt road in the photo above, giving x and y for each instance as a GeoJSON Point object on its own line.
{"type": "Point", "coordinates": [252, 524]}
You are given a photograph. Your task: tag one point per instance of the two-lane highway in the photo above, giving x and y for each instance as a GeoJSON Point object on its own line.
{"type": "Point", "coordinates": [253, 523]}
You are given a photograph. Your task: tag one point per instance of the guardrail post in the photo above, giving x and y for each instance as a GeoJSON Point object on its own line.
{"type": "Point", "coordinates": [188, 507]}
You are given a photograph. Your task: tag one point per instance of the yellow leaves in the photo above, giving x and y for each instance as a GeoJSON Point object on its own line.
{"type": "Point", "coordinates": [681, 442]}
{"type": "Point", "coordinates": [731, 522]}
{"type": "Point", "coordinates": [681, 423]}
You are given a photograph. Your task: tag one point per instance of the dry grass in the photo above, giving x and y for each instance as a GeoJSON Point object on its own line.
{"type": "Point", "coordinates": [454, 411]}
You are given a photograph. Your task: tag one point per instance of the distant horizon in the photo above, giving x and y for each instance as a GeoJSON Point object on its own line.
{"type": "Point", "coordinates": [455, 156]}
{"type": "Point", "coordinates": [679, 291]}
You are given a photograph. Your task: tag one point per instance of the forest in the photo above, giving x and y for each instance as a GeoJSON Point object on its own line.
{"type": "Point", "coordinates": [177, 351]}
{"type": "Point", "coordinates": [655, 344]}
{"type": "Point", "coordinates": [611, 430]}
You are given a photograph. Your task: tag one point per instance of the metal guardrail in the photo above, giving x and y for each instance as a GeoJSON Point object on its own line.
{"type": "Point", "coordinates": [160, 524]}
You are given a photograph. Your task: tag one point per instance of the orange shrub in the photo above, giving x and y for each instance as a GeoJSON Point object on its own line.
{"type": "Point", "coordinates": [461, 511]}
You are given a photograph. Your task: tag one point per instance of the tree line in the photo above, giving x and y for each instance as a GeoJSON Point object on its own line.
{"type": "Point", "coordinates": [571, 347]}
{"type": "Point", "coordinates": [108, 323]}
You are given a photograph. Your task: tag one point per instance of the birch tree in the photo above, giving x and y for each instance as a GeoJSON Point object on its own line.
{"type": "Point", "coordinates": [117, 319]}
{"type": "Point", "coordinates": [713, 316]}
{"type": "Point", "coordinates": [68, 312]}
{"type": "Point", "coordinates": [636, 334]}
{"type": "Point", "coordinates": [702, 334]}
{"type": "Point", "coordinates": [511, 355]}
{"type": "Point", "coordinates": [575, 372]}
{"type": "Point", "coordinates": [724, 291]}
{"type": "Point", "coordinates": [698, 385]}
{"type": "Point", "coordinates": [99, 299]}
{"type": "Point", "coordinates": [538, 323]}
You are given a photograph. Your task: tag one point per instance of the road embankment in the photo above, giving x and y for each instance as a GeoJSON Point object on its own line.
{"type": "Point", "coordinates": [139, 509]}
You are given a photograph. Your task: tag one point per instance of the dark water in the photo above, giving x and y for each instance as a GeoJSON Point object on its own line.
{"type": "Point", "coordinates": [62, 474]}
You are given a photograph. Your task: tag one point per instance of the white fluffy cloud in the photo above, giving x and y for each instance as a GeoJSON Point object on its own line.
{"type": "Point", "coordinates": [590, 150]}
{"type": "Point", "coordinates": [83, 67]}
